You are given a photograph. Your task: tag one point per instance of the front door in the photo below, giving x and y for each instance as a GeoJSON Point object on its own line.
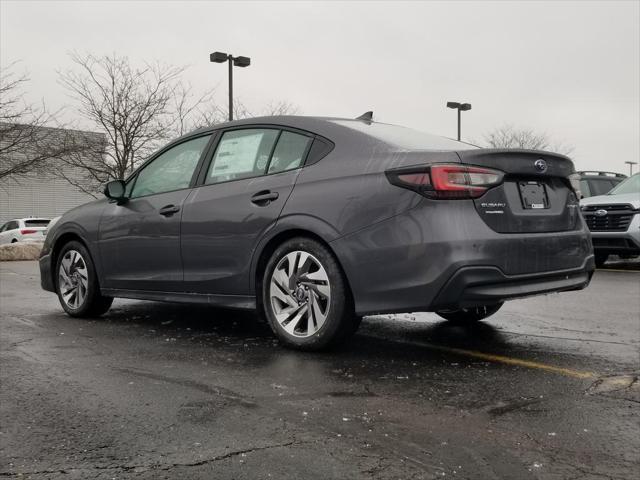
{"type": "Point", "coordinates": [139, 241]}
{"type": "Point", "coordinates": [245, 188]}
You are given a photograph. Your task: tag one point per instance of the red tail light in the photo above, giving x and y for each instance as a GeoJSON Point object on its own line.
{"type": "Point", "coordinates": [446, 181]}
{"type": "Point", "coordinates": [27, 232]}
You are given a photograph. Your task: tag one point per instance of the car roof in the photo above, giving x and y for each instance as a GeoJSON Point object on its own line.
{"type": "Point", "coordinates": [324, 126]}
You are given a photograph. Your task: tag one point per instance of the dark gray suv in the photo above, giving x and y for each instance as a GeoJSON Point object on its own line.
{"type": "Point", "coordinates": [316, 222]}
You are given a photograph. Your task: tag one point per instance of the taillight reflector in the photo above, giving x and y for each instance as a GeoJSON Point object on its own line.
{"type": "Point", "coordinates": [27, 232]}
{"type": "Point", "coordinates": [446, 181]}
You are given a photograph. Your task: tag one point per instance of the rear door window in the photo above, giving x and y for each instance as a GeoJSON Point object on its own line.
{"type": "Point", "coordinates": [242, 154]}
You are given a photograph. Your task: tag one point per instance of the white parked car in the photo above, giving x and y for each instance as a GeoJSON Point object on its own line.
{"type": "Point", "coordinates": [614, 220]}
{"type": "Point", "coordinates": [23, 230]}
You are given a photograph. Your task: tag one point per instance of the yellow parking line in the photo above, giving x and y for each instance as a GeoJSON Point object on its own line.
{"type": "Point", "coordinates": [490, 357]}
{"type": "Point", "coordinates": [617, 270]}
{"type": "Point", "coordinates": [511, 361]}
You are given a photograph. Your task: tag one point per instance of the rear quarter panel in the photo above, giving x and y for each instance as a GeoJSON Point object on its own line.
{"type": "Point", "coordinates": [348, 190]}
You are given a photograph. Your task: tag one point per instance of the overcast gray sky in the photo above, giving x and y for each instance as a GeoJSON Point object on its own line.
{"type": "Point", "coordinates": [570, 69]}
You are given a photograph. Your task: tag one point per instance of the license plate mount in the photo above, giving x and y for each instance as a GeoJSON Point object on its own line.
{"type": "Point", "coordinates": [534, 195]}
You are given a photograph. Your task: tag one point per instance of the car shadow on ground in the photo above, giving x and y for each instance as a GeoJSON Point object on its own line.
{"type": "Point", "coordinates": [379, 336]}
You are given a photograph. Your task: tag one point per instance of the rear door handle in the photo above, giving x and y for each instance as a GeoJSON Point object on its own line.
{"type": "Point", "coordinates": [264, 197]}
{"type": "Point", "coordinates": [169, 210]}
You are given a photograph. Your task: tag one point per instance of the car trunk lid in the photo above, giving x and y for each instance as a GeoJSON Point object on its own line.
{"type": "Point", "coordinates": [535, 196]}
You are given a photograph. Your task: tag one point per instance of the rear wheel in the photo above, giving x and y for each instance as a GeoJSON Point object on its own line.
{"type": "Point", "coordinates": [601, 258]}
{"type": "Point", "coordinates": [77, 283]}
{"type": "Point", "coordinates": [305, 296]}
{"type": "Point", "coordinates": [467, 315]}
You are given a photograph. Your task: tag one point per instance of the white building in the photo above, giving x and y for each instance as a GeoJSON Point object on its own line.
{"type": "Point", "coordinates": [45, 193]}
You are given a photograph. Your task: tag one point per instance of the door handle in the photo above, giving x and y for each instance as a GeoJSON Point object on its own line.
{"type": "Point", "coordinates": [264, 197]}
{"type": "Point", "coordinates": [169, 210]}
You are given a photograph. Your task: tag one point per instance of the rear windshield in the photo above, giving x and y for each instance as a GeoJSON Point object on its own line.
{"type": "Point", "coordinates": [36, 223]}
{"type": "Point", "coordinates": [405, 138]}
{"type": "Point", "coordinates": [630, 185]}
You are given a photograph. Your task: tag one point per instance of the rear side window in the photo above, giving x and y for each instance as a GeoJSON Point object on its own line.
{"type": "Point", "coordinates": [36, 223]}
{"type": "Point", "coordinates": [242, 154]}
{"type": "Point", "coordinates": [289, 153]}
{"type": "Point", "coordinates": [13, 225]}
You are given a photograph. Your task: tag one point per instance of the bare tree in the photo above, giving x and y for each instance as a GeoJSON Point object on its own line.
{"type": "Point", "coordinates": [280, 107]}
{"type": "Point", "coordinates": [138, 108]}
{"type": "Point", "coordinates": [25, 145]}
{"type": "Point", "coordinates": [134, 107]}
{"type": "Point", "coordinates": [192, 111]}
{"type": "Point", "coordinates": [509, 136]}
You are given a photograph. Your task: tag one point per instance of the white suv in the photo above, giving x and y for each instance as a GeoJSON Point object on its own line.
{"type": "Point", "coordinates": [23, 230]}
{"type": "Point", "coordinates": [614, 220]}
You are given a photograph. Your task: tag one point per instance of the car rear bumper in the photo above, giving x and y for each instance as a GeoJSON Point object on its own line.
{"type": "Point", "coordinates": [441, 254]}
{"type": "Point", "coordinates": [473, 286]}
{"type": "Point", "coordinates": [46, 278]}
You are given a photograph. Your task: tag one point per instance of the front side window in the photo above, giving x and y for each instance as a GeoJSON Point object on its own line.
{"type": "Point", "coordinates": [242, 154]}
{"type": "Point", "coordinates": [289, 152]}
{"type": "Point", "coordinates": [172, 170]}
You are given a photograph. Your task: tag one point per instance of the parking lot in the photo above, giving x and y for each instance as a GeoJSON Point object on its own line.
{"type": "Point", "coordinates": [545, 389]}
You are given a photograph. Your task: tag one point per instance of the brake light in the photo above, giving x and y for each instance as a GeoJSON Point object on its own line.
{"type": "Point", "coordinates": [446, 181]}
{"type": "Point", "coordinates": [27, 232]}
{"type": "Point", "coordinates": [574, 180]}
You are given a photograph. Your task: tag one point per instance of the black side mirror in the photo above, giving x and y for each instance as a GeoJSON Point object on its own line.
{"type": "Point", "coordinates": [115, 191]}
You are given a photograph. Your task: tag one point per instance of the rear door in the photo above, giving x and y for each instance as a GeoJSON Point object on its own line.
{"type": "Point", "coordinates": [536, 196]}
{"type": "Point", "coordinates": [241, 194]}
{"type": "Point", "coordinates": [139, 240]}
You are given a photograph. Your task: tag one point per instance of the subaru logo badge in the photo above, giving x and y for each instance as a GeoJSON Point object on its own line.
{"type": "Point", "coordinates": [540, 165]}
{"type": "Point", "coordinates": [601, 213]}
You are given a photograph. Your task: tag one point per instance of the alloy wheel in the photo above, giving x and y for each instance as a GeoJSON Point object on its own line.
{"type": "Point", "coordinates": [73, 279]}
{"type": "Point", "coordinates": [300, 294]}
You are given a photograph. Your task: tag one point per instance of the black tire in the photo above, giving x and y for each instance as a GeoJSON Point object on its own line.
{"type": "Point", "coordinates": [470, 315]}
{"type": "Point", "coordinates": [15, 240]}
{"type": "Point", "coordinates": [601, 258]}
{"type": "Point", "coordinates": [93, 304]}
{"type": "Point", "coordinates": [340, 322]}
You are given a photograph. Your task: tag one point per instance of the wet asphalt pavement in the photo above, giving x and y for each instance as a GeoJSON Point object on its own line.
{"type": "Point", "coordinates": [547, 388]}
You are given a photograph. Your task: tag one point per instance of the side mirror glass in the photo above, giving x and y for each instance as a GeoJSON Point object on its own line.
{"type": "Point", "coordinates": [115, 191]}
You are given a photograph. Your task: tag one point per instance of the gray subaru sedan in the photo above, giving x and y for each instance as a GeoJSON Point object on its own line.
{"type": "Point", "coordinates": [315, 222]}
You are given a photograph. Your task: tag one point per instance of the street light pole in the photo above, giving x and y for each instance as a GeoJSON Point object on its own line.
{"type": "Point", "coordinates": [631, 164]}
{"type": "Point", "coordinates": [220, 57]}
{"type": "Point", "coordinates": [230, 89]}
{"type": "Point", "coordinates": [461, 107]}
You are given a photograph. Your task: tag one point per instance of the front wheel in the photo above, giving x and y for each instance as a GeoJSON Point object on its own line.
{"type": "Point", "coordinates": [77, 283]}
{"type": "Point", "coordinates": [305, 296]}
{"type": "Point", "coordinates": [467, 315]}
